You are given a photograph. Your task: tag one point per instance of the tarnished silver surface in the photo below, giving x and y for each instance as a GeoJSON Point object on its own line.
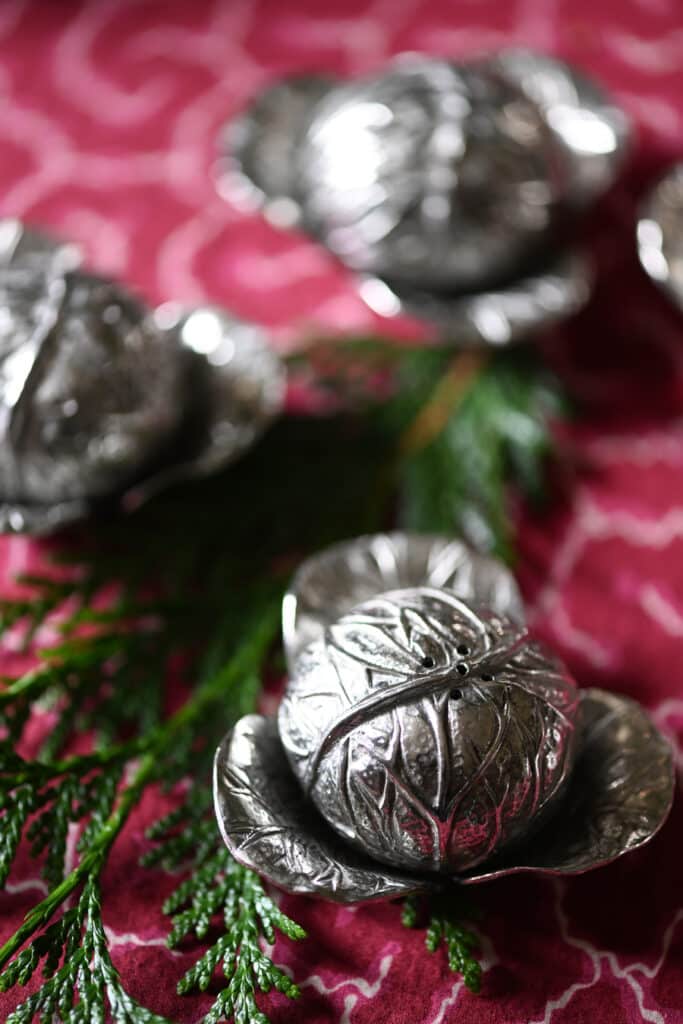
{"type": "Point", "coordinates": [33, 249]}
{"type": "Point", "coordinates": [432, 736]}
{"type": "Point", "coordinates": [331, 583]}
{"type": "Point", "coordinates": [436, 175]}
{"type": "Point", "coordinates": [40, 520]}
{"type": "Point", "coordinates": [619, 796]}
{"type": "Point", "coordinates": [238, 387]}
{"type": "Point", "coordinates": [448, 186]}
{"type": "Point", "coordinates": [269, 826]}
{"type": "Point", "coordinates": [257, 166]}
{"type": "Point", "coordinates": [496, 318]}
{"type": "Point", "coordinates": [245, 380]}
{"type": "Point", "coordinates": [77, 409]}
{"type": "Point", "coordinates": [428, 734]}
{"type": "Point", "coordinates": [101, 399]}
{"type": "Point", "coordinates": [660, 234]}
{"type": "Point", "coordinates": [617, 799]}
{"type": "Point", "coordinates": [593, 132]}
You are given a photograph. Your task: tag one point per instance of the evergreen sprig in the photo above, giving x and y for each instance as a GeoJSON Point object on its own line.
{"type": "Point", "coordinates": [472, 425]}
{"type": "Point", "coordinates": [445, 927]}
{"type": "Point", "coordinates": [81, 789]}
{"type": "Point", "coordinates": [188, 588]}
{"type": "Point", "coordinates": [85, 928]}
{"type": "Point", "coordinates": [218, 886]}
{"type": "Point", "coordinates": [222, 885]}
{"type": "Point", "coordinates": [86, 984]}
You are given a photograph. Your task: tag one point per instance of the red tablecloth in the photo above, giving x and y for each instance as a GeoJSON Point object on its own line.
{"type": "Point", "coordinates": [108, 118]}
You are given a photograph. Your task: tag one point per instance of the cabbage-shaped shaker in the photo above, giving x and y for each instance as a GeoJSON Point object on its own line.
{"type": "Point", "coordinates": [102, 398]}
{"type": "Point", "coordinates": [424, 738]}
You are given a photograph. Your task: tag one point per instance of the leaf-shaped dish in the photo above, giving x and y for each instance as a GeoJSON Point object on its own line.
{"type": "Point", "coordinates": [618, 798]}
{"type": "Point", "coordinates": [498, 316]}
{"type": "Point", "coordinates": [269, 826]}
{"type": "Point", "coordinates": [620, 794]}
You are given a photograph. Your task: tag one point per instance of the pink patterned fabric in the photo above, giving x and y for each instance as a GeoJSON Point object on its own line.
{"type": "Point", "coordinates": [109, 114]}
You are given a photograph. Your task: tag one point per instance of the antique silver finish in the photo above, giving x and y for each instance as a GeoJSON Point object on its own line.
{"type": "Point", "coordinates": [593, 133]}
{"type": "Point", "coordinates": [347, 574]}
{"type": "Point", "coordinates": [449, 187]}
{"type": "Point", "coordinates": [436, 176]}
{"type": "Point", "coordinates": [245, 381]}
{"type": "Point", "coordinates": [78, 356]}
{"type": "Point", "coordinates": [620, 794]}
{"type": "Point", "coordinates": [40, 520]}
{"type": "Point", "coordinates": [660, 234]}
{"type": "Point", "coordinates": [617, 799]}
{"type": "Point", "coordinates": [101, 399]}
{"type": "Point", "coordinates": [413, 725]}
{"type": "Point", "coordinates": [257, 166]}
{"type": "Point", "coordinates": [493, 318]}
{"type": "Point", "coordinates": [270, 826]}
{"type": "Point", "coordinates": [424, 737]}
{"type": "Point", "coordinates": [237, 385]}
{"type": "Point", "coordinates": [28, 248]}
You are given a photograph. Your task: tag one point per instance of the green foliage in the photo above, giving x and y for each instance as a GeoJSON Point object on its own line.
{"type": "Point", "coordinates": [190, 576]}
{"type": "Point", "coordinates": [78, 790]}
{"type": "Point", "coordinates": [445, 928]}
{"type": "Point", "coordinates": [86, 984]}
{"type": "Point", "coordinates": [482, 423]}
{"type": "Point", "coordinates": [188, 588]}
{"type": "Point", "coordinates": [223, 886]}
{"type": "Point", "coordinates": [103, 813]}
{"type": "Point", "coordinates": [217, 885]}
{"type": "Point", "coordinates": [460, 944]}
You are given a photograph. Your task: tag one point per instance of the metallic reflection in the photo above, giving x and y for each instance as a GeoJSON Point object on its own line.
{"type": "Point", "coordinates": [100, 399]}
{"type": "Point", "coordinates": [447, 187]}
{"type": "Point", "coordinates": [423, 738]}
{"type": "Point", "coordinates": [660, 234]}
